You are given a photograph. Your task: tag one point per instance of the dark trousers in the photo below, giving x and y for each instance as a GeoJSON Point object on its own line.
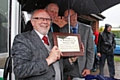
{"type": "Point", "coordinates": [110, 63]}
{"type": "Point", "coordinates": [96, 62]}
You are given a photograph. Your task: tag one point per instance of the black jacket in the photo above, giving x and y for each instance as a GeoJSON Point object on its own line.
{"type": "Point", "coordinates": [106, 42]}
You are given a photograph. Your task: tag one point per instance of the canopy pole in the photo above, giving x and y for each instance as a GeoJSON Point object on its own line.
{"type": "Point", "coordinates": [69, 15]}
{"type": "Point", "coordinates": [10, 63]}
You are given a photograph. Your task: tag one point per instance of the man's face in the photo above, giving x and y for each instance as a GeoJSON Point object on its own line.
{"type": "Point", "coordinates": [73, 17]}
{"type": "Point", "coordinates": [109, 29]}
{"type": "Point", "coordinates": [41, 21]}
{"type": "Point", "coordinates": [53, 11]}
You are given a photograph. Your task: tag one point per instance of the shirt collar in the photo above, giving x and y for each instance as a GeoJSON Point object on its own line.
{"type": "Point", "coordinates": [75, 26]}
{"type": "Point", "coordinates": [39, 34]}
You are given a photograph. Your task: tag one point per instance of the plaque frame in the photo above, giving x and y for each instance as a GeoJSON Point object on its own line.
{"type": "Point", "coordinates": [68, 53]}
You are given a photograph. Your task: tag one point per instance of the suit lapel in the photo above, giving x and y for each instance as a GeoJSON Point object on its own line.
{"type": "Point", "coordinates": [79, 28]}
{"type": "Point", "coordinates": [38, 42]}
{"type": "Point", "coordinates": [82, 32]}
{"type": "Point", "coordinates": [50, 38]}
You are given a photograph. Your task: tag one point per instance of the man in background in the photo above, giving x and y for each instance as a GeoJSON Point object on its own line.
{"type": "Point", "coordinates": [57, 22]}
{"type": "Point", "coordinates": [105, 48]}
{"type": "Point", "coordinates": [83, 64]}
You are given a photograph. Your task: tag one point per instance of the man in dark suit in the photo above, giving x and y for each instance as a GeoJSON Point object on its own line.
{"type": "Point", "coordinates": [35, 57]}
{"type": "Point", "coordinates": [57, 22]}
{"type": "Point", "coordinates": [83, 64]}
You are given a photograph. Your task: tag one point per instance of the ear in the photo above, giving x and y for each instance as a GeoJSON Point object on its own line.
{"type": "Point", "coordinates": [32, 22]}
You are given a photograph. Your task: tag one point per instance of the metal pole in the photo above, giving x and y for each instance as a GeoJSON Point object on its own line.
{"type": "Point", "coordinates": [10, 64]}
{"type": "Point", "coordinates": [69, 15]}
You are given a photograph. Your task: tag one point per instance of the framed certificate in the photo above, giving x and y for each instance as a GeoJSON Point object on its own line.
{"type": "Point", "coordinates": [69, 44]}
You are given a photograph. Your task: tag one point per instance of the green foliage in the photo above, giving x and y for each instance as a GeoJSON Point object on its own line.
{"type": "Point", "coordinates": [117, 33]}
{"type": "Point", "coordinates": [117, 58]}
{"type": "Point", "coordinates": [1, 78]}
{"type": "Point", "coordinates": [101, 29]}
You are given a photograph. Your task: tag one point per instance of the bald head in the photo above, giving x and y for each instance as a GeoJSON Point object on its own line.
{"type": "Point", "coordinates": [41, 21]}
{"type": "Point", "coordinates": [39, 11]}
{"type": "Point", "coordinates": [51, 5]}
{"type": "Point", "coordinates": [52, 9]}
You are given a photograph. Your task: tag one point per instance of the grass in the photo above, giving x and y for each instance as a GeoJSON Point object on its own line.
{"type": "Point", "coordinates": [117, 58]}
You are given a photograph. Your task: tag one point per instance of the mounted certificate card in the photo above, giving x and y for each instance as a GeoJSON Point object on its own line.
{"type": "Point", "coordinates": [69, 44]}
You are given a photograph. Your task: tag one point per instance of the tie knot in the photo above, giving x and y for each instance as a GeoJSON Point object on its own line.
{"type": "Point", "coordinates": [45, 39]}
{"type": "Point", "coordinates": [74, 30]}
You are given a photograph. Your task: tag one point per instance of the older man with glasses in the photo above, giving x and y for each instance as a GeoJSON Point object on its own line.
{"type": "Point", "coordinates": [34, 56]}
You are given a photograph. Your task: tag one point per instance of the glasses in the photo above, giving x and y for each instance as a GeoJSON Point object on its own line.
{"type": "Point", "coordinates": [73, 15]}
{"type": "Point", "coordinates": [42, 19]}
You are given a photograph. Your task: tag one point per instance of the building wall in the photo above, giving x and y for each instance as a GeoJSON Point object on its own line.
{"type": "Point", "coordinates": [94, 22]}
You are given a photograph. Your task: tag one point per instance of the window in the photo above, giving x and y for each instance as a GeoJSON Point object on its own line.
{"type": "Point", "coordinates": [3, 31]}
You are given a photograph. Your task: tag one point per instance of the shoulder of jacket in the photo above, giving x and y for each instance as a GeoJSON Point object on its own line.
{"type": "Point", "coordinates": [85, 25]}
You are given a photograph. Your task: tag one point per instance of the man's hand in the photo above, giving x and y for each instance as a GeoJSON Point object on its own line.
{"type": "Point", "coordinates": [60, 22]}
{"type": "Point", "coordinates": [98, 54]}
{"type": "Point", "coordinates": [86, 72]}
{"type": "Point", "coordinates": [72, 59]}
{"type": "Point", "coordinates": [54, 55]}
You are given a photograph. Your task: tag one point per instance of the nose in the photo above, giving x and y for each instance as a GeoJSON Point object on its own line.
{"type": "Point", "coordinates": [54, 14]}
{"type": "Point", "coordinates": [45, 20]}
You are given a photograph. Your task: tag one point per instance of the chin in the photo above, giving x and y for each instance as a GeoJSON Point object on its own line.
{"type": "Point", "coordinates": [44, 32]}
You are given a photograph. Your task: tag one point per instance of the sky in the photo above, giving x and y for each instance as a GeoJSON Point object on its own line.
{"type": "Point", "coordinates": [112, 16]}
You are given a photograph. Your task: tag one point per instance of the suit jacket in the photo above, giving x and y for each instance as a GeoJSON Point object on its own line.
{"type": "Point", "coordinates": [29, 58]}
{"type": "Point", "coordinates": [85, 32]}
